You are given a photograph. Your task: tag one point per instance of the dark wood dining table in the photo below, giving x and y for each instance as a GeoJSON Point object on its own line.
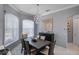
{"type": "Point", "coordinates": [39, 44]}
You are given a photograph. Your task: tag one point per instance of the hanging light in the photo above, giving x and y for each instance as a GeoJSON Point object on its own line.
{"type": "Point", "coordinates": [36, 17]}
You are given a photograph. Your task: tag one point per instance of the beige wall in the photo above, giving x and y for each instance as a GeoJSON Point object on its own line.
{"type": "Point", "coordinates": [47, 24]}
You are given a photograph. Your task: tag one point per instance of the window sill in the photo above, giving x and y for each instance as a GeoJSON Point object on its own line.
{"type": "Point", "coordinates": [13, 44]}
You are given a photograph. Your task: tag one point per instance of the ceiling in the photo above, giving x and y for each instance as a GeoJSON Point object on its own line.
{"type": "Point", "coordinates": [44, 9]}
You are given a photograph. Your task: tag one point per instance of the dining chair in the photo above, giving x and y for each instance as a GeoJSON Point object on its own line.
{"type": "Point", "coordinates": [48, 36]}
{"type": "Point", "coordinates": [24, 36]}
{"type": "Point", "coordinates": [26, 48]}
{"type": "Point", "coordinates": [23, 45]}
{"type": "Point", "coordinates": [51, 48]}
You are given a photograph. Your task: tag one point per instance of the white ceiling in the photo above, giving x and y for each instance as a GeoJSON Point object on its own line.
{"type": "Point", "coordinates": [32, 8]}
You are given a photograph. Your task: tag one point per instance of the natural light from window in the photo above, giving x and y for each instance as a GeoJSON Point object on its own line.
{"type": "Point", "coordinates": [28, 27]}
{"type": "Point", "coordinates": [11, 28]}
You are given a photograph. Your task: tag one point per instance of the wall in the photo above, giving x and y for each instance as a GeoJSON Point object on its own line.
{"type": "Point", "coordinates": [76, 30]}
{"type": "Point", "coordinates": [45, 24]}
{"type": "Point", "coordinates": [60, 24]}
{"type": "Point", "coordinates": [1, 24]}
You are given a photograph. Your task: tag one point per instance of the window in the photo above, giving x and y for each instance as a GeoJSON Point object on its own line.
{"type": "Point", "coordinates": [11, 28]}
{"type": "Point", "coordinates": [28, 27]}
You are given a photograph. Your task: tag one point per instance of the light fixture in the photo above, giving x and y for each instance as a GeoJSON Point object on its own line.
{"type": "Point", "coordinates": [37, 15]}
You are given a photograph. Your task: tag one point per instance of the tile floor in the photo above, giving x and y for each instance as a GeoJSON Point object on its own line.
{"type": "Point", "coordinates": [70, 50]}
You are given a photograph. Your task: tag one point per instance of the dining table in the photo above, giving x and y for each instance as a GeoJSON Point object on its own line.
{"type": "Point", "coordinates": [38, 44]}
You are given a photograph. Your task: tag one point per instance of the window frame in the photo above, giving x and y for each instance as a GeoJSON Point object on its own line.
{"type": "Point", "coordinates": [16, 17]}
{"type": "Point", "coordinates": [29, 21]}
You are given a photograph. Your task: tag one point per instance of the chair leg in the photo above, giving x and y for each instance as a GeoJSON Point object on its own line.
{"type": "Point", "coordinates": [21, 50]}
{"type": "Point", "coordinates": [25, 53]}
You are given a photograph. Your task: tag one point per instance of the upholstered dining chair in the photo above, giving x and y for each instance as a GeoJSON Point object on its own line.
{"type": "Point", "coordinates": [24, 36]}
{"type": "Point", "coordinates": [51, 48]}
{"type": "Point", "coordinates": [26, 48]}
{"type": "Point", "coordinates": [23, 45]}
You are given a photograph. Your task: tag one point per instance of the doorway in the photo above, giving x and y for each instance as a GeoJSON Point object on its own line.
{"type": "Point", "coordinates": [70, 29]}
{"type": "Point", "coordinates": [73, 30]}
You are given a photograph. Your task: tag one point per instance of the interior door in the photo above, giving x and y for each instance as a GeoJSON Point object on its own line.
{"type": "Point", "coordinates": [70, 29]}
{"type": "Point", "coordinates": [76, 30]}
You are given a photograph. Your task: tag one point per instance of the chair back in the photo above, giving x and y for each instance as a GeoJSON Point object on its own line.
{"type": "Point", "coordinates": [51, 48]}
{"type": "Point", "coordinates": [23, 43]}
{"type": "Point", "coordinates": [24, 36]}
{"type": "Point", "coordinates": [48, 36]}
{"type": "Point", "coordinates": [25, 46]}
{"type": "Point", "coordinates": [26, 49]}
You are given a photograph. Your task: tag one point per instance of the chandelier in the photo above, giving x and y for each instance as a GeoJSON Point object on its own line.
{"type": "Point", "coordinates": [36, 17]}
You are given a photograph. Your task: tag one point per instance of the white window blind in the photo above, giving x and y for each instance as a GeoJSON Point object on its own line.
{"type": "Point", "coordinates": [11, 28]}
